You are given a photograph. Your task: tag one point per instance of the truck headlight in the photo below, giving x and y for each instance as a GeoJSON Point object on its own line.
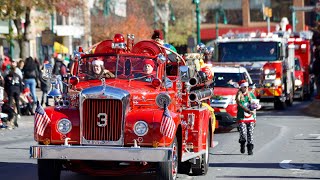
{"type": "Point", "coordinates": [269, 71]}
{"type": "Point", "coordinates": [64, 126]}
{"type": "Point", "coordinates": [277, 82]}
{"type": "Point", "coordinates": [140, 128]}
{"type": "Point", "coordinates": [297, 82]}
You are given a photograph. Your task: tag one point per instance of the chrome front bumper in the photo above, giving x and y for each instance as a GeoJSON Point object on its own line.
{"type": "Point", "coordinates": [103, 153]}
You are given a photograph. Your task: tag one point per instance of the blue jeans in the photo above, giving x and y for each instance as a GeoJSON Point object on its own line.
{"type": "Point", "coordinates": [31, 84]}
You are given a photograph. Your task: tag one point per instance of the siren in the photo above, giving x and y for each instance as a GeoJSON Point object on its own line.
{"type": "Point", "coordinates": [118, 42]}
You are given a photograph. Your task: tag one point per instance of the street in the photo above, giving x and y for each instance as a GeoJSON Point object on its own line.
{"type": "Point", "coordinates": [287, 146]}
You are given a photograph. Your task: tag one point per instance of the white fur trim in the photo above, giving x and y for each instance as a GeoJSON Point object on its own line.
{"type": "Point", "coordinates": [97, 62]}
{"type": "Point", "coordinates": [244, 84]}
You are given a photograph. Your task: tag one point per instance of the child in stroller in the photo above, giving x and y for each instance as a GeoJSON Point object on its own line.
{"type": "Point", "coordinates": [26, 102]}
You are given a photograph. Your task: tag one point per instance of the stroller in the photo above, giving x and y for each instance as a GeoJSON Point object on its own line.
{"type": "Point", "coordinates": [26, 101]}
{"type": "Point", "coordinates": [6, 113]}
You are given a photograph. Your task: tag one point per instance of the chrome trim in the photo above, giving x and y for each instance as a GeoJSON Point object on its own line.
{"type": "Point", "coordinates": [106, 153]}
{"type": "Point", "coordinates": [104, 92]}
{"type": "Point", "coordinates": [190, 155]}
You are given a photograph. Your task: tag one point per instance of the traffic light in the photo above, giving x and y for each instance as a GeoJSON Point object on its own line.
{"type": "Point", "coordinates": [270, 12]}
{"type": "Point", "coordinates": [267, 12]}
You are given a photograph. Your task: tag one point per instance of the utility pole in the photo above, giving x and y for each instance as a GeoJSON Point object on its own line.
{"type": "Point", "coordinates": [197, 3]}
{"type": "Point", "coordinates": [220, 12]}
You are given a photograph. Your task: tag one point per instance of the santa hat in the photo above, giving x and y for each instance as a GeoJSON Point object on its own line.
{"type": "Point", "coordinates": [149, 61]}
{"type": "Point", "coordinates": [98, 62]}
{"type": "Point", "coordinates": [157, 34]}
{"type": "Point", "coordinates": [243, 83]}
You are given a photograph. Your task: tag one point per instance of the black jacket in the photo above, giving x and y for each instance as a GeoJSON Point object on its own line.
{"type": "Point", "coordinates": [13, 83]}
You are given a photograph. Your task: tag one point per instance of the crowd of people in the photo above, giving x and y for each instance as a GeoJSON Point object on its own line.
{"type": "Point", "coordinates": [19, 79]}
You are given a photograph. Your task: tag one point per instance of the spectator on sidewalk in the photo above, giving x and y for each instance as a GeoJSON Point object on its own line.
{"type": "Point", "coordinates": [44, 86]}
{"type": "Point", "coordinates": [13, 87]}
{"type": "Point", "coordinates": [30, 75]}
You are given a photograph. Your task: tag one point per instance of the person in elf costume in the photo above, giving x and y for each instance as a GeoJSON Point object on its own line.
{"type": "Point", "coordinates": [246, 116]}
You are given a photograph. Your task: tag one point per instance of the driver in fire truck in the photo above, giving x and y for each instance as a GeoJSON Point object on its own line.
{"type": "Point", "coordinates": [147, 74]}
{"type": "Point", "coordinates": [98, 70]}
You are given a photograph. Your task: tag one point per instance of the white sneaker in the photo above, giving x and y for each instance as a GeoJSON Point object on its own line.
{"type": "Point", "coordinates": [18, 116]}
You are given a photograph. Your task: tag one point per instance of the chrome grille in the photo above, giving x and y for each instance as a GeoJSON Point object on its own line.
{"type": "Point", "coordinates": [112, 130]}
{"type": "Point", "coordinates": [255, 75]}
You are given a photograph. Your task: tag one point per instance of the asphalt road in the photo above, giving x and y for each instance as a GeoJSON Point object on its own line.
{"type": "Point", "coordinates": [287, 146]}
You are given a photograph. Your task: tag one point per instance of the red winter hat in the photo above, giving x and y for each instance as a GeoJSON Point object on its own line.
{"type": "Point", "coordinates": [243, 83]}
{"type": "Point", "coordinates": [157, 34]}
{"type": "Point", "coordinates": [149, 61]}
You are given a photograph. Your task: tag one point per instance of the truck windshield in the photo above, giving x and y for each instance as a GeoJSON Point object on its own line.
{"type": "Point", "coordinates": [248, 51]}
{"type": "Point", "coordinates": [113, 66]}
{"type": "Point", "coordinates": [228, 79]}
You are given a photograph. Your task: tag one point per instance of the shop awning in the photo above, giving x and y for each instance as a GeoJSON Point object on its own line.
{"type": "Point", "coordinates": [61, 49]}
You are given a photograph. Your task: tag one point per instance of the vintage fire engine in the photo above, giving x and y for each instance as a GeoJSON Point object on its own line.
{"type": "Point", "coordinates": [111, 126]}
{"type": "Point", "coordinates": [303, 51]}
{"type": "Point", "coordinates": [269, 60]}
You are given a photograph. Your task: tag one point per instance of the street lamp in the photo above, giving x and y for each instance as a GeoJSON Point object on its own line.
{"type": "Point", "coordinates": [220, 12]}
{"type": "Point", "coordinates": [197, 3]}
{"type": "Point", "coordinates": [11, 38]}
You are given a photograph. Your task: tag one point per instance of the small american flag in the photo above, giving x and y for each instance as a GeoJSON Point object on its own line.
{"type": "Point", "coordinates": [167, 126]}
{"type": "Point", "coordinates": [41, 120]}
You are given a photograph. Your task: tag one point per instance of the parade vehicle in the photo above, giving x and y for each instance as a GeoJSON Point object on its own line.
{"type": "Point", "coordinates": [269, 59]}
{"type": "Point", "coordinates": [126, 124]}
{"type": "Point", "coordinates": [299, 78]}
{"type": "Point", "coordinates": [303, 51]}
{"type": "Point", "coordinates": [225, 90]}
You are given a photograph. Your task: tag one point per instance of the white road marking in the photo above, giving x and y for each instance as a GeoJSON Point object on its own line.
{"type": "Point", "coordinates": [215, 143]}
{"type": "Point", "coordinates": [298, 135]}
{"type": "Point", "coordinates": [316, 136]}
{"type": "Point", "coordinates": [285, 165]}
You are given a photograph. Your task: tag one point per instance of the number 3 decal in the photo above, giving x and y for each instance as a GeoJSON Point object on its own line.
{"type": "Point", "coordinates": [102, 119]}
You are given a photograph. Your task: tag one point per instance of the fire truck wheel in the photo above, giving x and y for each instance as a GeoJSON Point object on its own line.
{"type": "Point", "coordinates": [279, 105]}
{"type": "Point", "coordinates": [169, 170]}
{"type": "Point", "coordinates": [289, 102]}
{"type": "Point", "coordinates": [49, 169]}
{"type": "Point", "coordinates": [205, 160]}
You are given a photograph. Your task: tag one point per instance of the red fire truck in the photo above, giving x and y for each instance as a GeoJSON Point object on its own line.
{"type": "Point", "coordinates": [269, 60]}
{"type": "Point", "coordinates": [126, 124]}
{"type": "Point", "coordinates": [303, 51]}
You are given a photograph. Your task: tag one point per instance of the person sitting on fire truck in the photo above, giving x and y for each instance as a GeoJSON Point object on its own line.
{"type": "Point", "coordinates": [245, 116]}
{"type": "Point", "coordinates": [148, 73]}
{"type": "Point", "coordinates": [98, 70]}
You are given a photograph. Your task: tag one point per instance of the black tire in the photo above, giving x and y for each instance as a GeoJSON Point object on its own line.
{"type": "Point", "coordinates": [205, 160]}
{"type": "Point", "coordinates": [278, 105]}
{"type": "Point", "coordinates": [289, 102]}
{"type": "Point", "coordinates": [49, 169]}
{"type": "Point", "coordinates": [169, 170]}
{"type": "Point", "coordinates": [184, 167]}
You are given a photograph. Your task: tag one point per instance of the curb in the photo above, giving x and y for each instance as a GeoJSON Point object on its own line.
{"type": "Point", "coordinates": [313, 109]}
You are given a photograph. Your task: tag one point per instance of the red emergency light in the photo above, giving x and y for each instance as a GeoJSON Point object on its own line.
{"type": "Point", "coordinates": [118, 42]}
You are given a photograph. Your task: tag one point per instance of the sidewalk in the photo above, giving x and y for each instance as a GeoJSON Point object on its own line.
{"type": "Point", "coordinates": [314, 108]}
